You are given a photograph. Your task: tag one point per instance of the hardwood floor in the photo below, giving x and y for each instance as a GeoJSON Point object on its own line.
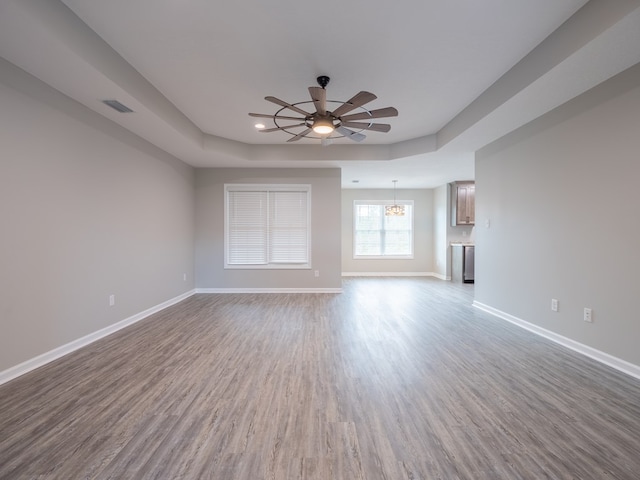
{"type": "Point", "coordinates": [393, 379]}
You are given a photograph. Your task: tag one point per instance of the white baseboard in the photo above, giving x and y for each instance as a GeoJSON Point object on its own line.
{"type": "Point", "coordinates": [63, 350]}
{"type": "Point", "coordinates": [602, 357]}
{"type": "Point", "coordinates": [393, 274]}
{"type": "Point", "coordinates": [269, 290]}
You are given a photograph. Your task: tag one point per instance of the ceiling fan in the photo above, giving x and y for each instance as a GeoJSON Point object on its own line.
{"type": "Point", "coordinates": [324, 123]}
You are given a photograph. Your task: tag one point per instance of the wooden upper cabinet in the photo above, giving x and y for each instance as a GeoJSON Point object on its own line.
{"type": "Point", "coordinates": [463, 203]}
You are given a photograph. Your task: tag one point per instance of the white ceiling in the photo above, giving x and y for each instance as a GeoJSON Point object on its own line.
{"type": "Point", "coordinates": [461, 73]}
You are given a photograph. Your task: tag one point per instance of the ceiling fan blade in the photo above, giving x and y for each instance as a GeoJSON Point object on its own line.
{"type": "Point", "coordinates": [266, 115]}
{"type": "Point", "coordinates": [379, 113]}
{"type": "Point", "coordinates": [355, 136]}
{"type": "Point", "coordinates": [374, 127]}
{"type": "Point", "coordinates": [275, 129]}
{"type": "Point", "coordinates": [356, 101]}
{"type": "Point", "coordinates": [319, 97]}
{"type": "Point", "coordinates": [282, 103]}
{"type": "Point", "coordinates": [299, 136]}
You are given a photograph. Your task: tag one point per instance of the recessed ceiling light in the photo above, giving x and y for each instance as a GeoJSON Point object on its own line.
{"type": "Point", "coordinates": [259, 126]}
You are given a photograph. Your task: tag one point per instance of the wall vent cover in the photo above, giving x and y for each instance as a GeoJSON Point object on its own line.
{"type": "Point", "coordinates": [116, 105]}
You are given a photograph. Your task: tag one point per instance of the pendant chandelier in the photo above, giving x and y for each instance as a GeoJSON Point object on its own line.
{"type": "Point", "coordinates": [394, 210]}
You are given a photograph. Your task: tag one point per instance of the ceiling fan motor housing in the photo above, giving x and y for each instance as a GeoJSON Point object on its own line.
{"type": "Point", "coordinates": [323, 80]}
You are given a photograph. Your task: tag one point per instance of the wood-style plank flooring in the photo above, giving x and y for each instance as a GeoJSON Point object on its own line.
{"type": "Point", "coordinates": [393, 379]}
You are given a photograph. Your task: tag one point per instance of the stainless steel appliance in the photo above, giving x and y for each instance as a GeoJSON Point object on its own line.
{"type": "Point", "coordinates": [468, 273]}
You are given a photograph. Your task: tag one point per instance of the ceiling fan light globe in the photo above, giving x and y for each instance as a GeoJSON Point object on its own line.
{"type": "Point", "coordinates": [323, 129]}
{"type": "Point", "coordinates": [323, 126]}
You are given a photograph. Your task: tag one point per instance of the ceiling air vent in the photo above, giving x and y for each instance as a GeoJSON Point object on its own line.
{"type": "Point", "coordinates": [116, 105]}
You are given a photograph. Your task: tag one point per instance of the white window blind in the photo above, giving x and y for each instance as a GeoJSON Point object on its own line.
{"type": "Point", "coordinates": [267, 226]}
{"type": "Point", "coordinates": [288, 228]}
{"type": "Point", "coordinates": [379, 236]}
{"type": "Point", "coordinates": [247, 228]}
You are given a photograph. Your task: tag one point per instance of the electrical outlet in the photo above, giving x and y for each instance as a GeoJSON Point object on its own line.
{"type": "Point", "coordinates": [588, 315]}
{"type": "Point", "coordinates": [554, 304]}
{"type": "Point", "coordinates": [184, 277]}
{"type": "Point", "coordinates": [317, 273]}
{"type": "Point", "coordinates": [112, 300]}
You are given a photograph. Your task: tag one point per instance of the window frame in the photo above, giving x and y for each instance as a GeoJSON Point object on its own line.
{"type": "Point", "coordinates": [266, 188]}
{"type": "Point", "coordinates": [382, 204]}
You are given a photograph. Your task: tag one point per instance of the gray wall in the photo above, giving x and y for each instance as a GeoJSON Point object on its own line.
{"type": "Point", "coordinates": [441, 222]}
{"type": "Point", "coordinates": [423, 227]}
{"type": "Point", "coordinates": [88, 210]}
{"type": "Point", "coordinates": [325, 230]}
{"type": "Point", "coordinates": [562, 197]}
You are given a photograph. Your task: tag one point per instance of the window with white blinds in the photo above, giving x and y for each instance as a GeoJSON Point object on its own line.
{"type": "Point", "coordinates": [267, 226]}
{"type": "Point", "coordinates": [376, 235]}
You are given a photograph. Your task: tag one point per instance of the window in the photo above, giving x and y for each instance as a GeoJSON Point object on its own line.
{"type": "Point", "coordinates": [267, 226]}
{"type": "Point", "coordinates": [378, 236]}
